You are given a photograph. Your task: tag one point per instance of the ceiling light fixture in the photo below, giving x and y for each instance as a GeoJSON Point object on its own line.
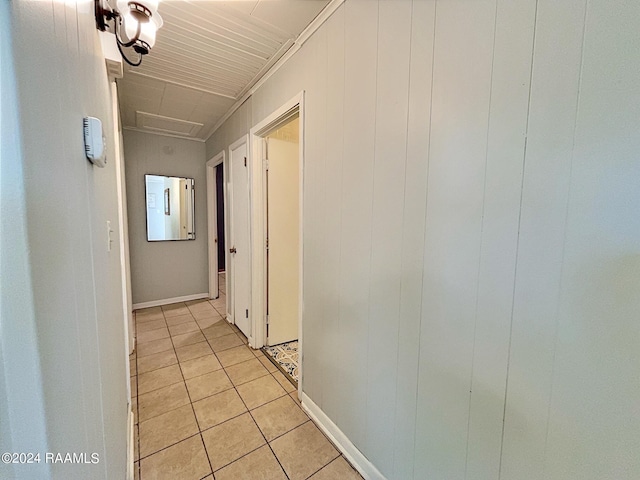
{"type": "Point", "coordinates": [138, 18]}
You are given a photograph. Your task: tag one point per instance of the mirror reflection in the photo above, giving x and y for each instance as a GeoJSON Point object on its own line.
{"type": "Point", "coordinates": [170, 208]}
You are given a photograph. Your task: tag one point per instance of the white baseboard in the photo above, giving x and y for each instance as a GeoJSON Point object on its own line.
{"type": "Point", "coordinates": [340, 440]}
{"type": "Point", "coordinates": [167, 301]}
{"type": "Point", "coordinates": [130, 446]}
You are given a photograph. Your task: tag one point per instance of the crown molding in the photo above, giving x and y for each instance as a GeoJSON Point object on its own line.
{"type": "Point", "coordinates": [302, 38]}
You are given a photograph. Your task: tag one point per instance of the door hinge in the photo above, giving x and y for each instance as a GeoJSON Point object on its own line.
{"type": "Point", "coordinates": [245, 161]}
{"type": "Point", "coordinates": [266, 244]}
{"type": "Point", "coordinates": [246, 313]}
{"type": "Point", "coordinates": [265, 162]}
{"type": "Point", "coordinates": [267, 324]}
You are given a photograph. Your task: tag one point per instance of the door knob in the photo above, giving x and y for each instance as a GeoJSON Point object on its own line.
{"type": "Point", "coordinates": [232, 250]}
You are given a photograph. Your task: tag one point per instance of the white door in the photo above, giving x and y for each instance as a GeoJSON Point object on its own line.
{"type": "Point", "coordinates": [283, 233]}
{"type": "Point", "coordinates": [239, 248]}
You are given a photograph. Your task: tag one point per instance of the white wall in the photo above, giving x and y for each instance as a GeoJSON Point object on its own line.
{"type": "Point", "coordinates": [63, 338]}
{"type": "Point", "coordinates": [164, 270]}
{"type": "Point", "coordinates": [23, 424]}
{"type": "Point", "coordinates": [471, 253]}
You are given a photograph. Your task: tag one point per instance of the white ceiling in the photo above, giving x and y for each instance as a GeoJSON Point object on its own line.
{"type": "Point", "coordinates": [207, 55]}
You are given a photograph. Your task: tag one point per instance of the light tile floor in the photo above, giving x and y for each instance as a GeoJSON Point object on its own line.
{"type": "Point", "coordinates": [208, 407]}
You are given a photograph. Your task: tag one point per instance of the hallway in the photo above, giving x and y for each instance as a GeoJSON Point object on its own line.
{"type": "Point", "coordinates": [469, 254]}
{"type": "Point", "coordinates": [204, 402]}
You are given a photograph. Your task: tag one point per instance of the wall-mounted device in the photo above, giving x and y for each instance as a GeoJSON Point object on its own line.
{"type": "Point", "coordinates": [94, 141]}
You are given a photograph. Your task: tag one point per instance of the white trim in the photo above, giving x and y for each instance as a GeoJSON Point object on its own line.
{"type": "Point", "coordinates": [212, 223]}
{"type": "Point", "coordinates": [258, 204]}
{"type": "Point", "coordinates": [340, 440]}
{"type": "Point", "coordinates": [167, 301]}
{"type": "Point", "coordinates": [162, 134]}
{"type": "Point", "coordinates": [317, 22]}
{"type": "Point", "coordinates": [266, 67]}
{"type": "Point", "coordinates": [227, 235]}
{"type": "Point", "coordinates": [123, 224]}
{"type": "Point", "coordinates": [302, 38]}
{"type": "Point", "coordinates": [130, 446]}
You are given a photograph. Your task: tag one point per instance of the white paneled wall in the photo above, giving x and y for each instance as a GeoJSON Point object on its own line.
{"type": "Point", "coordinates": [389, 175]}
{"type": "Point", "coordinates": [541, 248]}
{"type": "Point", "coordinates": [62, 326]}
{"type": "Point", "coordinates": [457, 156]}
{"type": "Point", "coordinates": [332, 352]}
{"type": "Point", "coordinates": [471, 248]}
{"type": "Point", "coordinates": [413, 231]}
{"type": "Point", "coordinates": [511, 69]}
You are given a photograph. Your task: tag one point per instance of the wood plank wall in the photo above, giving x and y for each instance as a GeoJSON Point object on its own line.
{"type": "Point", "coordinates": [64, 357]}
{"type": "Point", "coordinates": [471, 250]}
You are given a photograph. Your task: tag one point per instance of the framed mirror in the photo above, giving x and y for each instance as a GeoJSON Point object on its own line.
{"type": "Point", "coordinates": [170, 208]}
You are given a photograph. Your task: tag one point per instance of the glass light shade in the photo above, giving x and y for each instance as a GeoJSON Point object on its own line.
{"type": "Point", "coordinates": [130, 25]}
{"type": "Point", "coordinates": [151, 5]}
{"type": "Point", "coordinates": [148, 34]}
{"type": "Point", "coordinates": [147, 30]}
{"type": "Point", "coordinates": [157, 19]}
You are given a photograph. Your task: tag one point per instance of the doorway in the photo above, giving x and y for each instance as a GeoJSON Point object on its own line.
{"type": "Point", "coordinates": [277, 198]}
{"type": "Point", "coordinates": [282, 225]}
{"type": "Point", "coordinates": [239, 244]}
{"type": "Point", "coordinates": [220, 221]}
{"type": "Point", "coordinates": [217, 226]}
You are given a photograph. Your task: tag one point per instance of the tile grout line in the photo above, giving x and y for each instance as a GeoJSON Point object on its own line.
{"type": "Point", "coordinates": [184, 380]}
{"type": "Point", "coordinates": [248, 411]}
{"type": "Point", "coordinates": [171, 445]}
{"type": "Point", "coordinates": [202, 374]}
{"type": "Point", "coordinates": [237, 393]}
{"type": "Point", "coordinates": [326, 465]}
{"type": "Point", "coordinates": [264, 437]}
{"type": "Point", "coordinates": [188, 395]}
{"type": "Point", "coordinates": [257, 354]}
{"type": "Point", "coordinates": [237, 416]}
{"type": "Point", "coordinates": [254, 420]}
{"type": "Point", "coordinates": [200, 431]}
{"type": "Point", "coordinates": [251, 416]}
{"type": "Point", "coordinates": [185, 386]}
{"type": "Point", "coordinates": [193, 410]}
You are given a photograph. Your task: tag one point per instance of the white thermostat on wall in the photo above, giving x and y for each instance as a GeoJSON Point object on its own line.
{"type": "Point", "coordinates": [94, 142]}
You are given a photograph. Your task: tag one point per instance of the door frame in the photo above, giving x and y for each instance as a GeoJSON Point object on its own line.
{"type": "Point", "coordinates": [123, 222]}
{"type": "Point", "coordinates": [212, 221]}
{"type": "Point", "coordinates": [258, 214]}
{"type": "Point", "coordinates": [230, 273]}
